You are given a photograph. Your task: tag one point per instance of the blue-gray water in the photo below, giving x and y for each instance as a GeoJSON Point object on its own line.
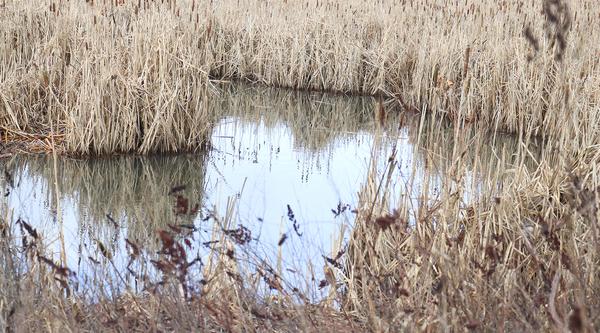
{"type": "Point", "coordinates": [272, 152]}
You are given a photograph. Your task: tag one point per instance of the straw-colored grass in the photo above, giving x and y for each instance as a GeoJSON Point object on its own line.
{"type": "Point", "coordinates": [132, 76]}
{"type": "Point", "coordinates": [107, 79]}
{"type": "Point", "coordinates": [513, 249]}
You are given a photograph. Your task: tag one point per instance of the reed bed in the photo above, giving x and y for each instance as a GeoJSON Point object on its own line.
{"type": "Point", "coordinates": [513, 249]}
{"type": "Point", "coordinates": [470, 61]}
{"type": "Point", "coordinates": [521, 254]}
{"type": "Point", "coordinates": [105, 77]}
{"type": "Point", "coordinates": [133, 76]}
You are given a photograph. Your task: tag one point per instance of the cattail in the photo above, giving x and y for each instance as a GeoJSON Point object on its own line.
{"type": "Point", "coordinates": [466, 61]}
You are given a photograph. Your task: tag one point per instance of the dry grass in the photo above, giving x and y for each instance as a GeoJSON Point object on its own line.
{"type": "Point", "coordinates": [133, 76]}
{"type": "Point", "coordinates": [467, 60]}
{"type": "Point", "coordinates": [521, 254]}
{"type": "Point", "coordinates": [105, 78]}
{"type": "Point", "coordinates": [516, 250]}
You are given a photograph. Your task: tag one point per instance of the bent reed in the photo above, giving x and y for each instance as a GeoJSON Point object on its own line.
{"type": "Point", "coordinates": [133, 75]}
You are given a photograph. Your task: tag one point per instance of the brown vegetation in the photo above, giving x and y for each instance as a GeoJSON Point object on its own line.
{"type": "Point", "coordinates": [514, 249]}
{"type": "Point", "coordinates": [135, 76]}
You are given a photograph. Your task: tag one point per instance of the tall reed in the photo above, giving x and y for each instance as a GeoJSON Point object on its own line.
{"type": "Point", "coordinates": [134, 76]}
{"type": "Point", "coordinates": [514, 250]}
{"type": "Point", "coordinates": [109, 78]}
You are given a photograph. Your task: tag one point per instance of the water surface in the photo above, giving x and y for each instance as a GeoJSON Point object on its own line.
{"type": "Point", "coordinates": [280, 163]}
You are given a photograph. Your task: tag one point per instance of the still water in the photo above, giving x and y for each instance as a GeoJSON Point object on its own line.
{"type": "Point", "coordinates": [280, 163]}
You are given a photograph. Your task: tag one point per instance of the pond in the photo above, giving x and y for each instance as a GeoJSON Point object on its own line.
{"type": "Point", "coordinates": [284, 168]}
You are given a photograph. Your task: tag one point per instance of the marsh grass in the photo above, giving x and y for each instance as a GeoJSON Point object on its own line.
{"type": "Point", "coordinates": [522, 254]}
{"type": "Point", "coordinates": [508, 259]}
{"type": "Point", "coordinates": [135, 76]}
{"type": "Point", "coordinates": [105, 77]}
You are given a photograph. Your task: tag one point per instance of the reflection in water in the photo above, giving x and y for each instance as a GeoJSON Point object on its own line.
{"type": "Point", "coordinates": [283, 156]}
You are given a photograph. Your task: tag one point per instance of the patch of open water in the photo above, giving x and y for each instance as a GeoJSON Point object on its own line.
{"type": "Point", "coordinates": [281, 163]}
